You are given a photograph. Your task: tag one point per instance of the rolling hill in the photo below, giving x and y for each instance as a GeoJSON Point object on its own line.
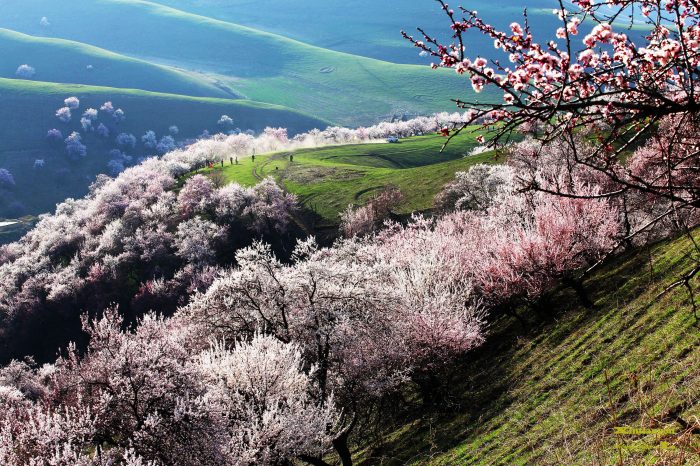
{"type": "Point", "coordinates": [27, 110]}
{"type": "Point", "coordinates": [63, 61]}
{"type": "Point", "coordinates": [339, 87]}
{"type": "Point", "coordinates": [368, 28]}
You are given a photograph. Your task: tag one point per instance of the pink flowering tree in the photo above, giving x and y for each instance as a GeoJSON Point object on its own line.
{"type": "Point", "coordinates": [64, 114]}
{"type": "Point", "coordinates": [365, 219]}
{"type": "Point", "coordinates": [153, 394]}
{"type": "Point", "coordinates": [267, 403]}
{"type": "Point", "coordinates": [195, 196]}
{"type": "Point", "coordinates": [595, 74]}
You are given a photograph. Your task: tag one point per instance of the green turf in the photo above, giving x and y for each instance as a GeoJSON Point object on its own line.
{"type": "Point", "coordinates": [27, 111]}
{"type": "Point", "coordinates": [63, 61]}
{"type": "Point", "coordinates": [343, 88]}
{"type": "Point", "coordinates": [328, 179]}
{"type": "Point", "coordinates": [368, 28]}
{"type": "Point", "coordinates": [553, 395]}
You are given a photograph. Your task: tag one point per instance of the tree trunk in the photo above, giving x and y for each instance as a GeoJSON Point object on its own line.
{"type": "Point", "coordinates": [543, 306]}
{"type": "Point", "coordinates": [340, 443]}
{"type": "Point", "coordinates": [581, 292]}
{"type": "Point", "coordinates": [626, 222]}
{"type": "Point", "coordinates": [341, 447]}
{"type": "Point", "coordinates": [510, 311]}
{"type": "Point", "coordinates": [432, 389]}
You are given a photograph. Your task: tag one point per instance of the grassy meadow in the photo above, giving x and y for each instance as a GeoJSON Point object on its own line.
{"type": "Point", "coordinates": [328, 179]}
{"type": "Point", "coordinates": [339, 87]}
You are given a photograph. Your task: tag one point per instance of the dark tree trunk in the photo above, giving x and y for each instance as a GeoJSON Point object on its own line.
{"type": "Point", "coordinates": [581, 292]}
{"type": "Point", "coordinates": [626, 222]}
{"type": "Point", "coordinates": [510, 311]}
{"type": "Point", "coordinates": [432, 389]}
{"type": "Point", "coordinates": [341, 447]}
{"type": "Point", "coordinates": [543, 306]}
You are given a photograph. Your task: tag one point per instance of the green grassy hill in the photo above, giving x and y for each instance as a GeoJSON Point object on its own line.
{"type": "Point", "coordinates": [63, 61]}
{"type": "Point", "coordinates": [328, 179]}
{"type": "Point", "coordinates": [343, 88]}
{"type": "Point", "coordinates": [554, 395]}
{"type": "Point", "coordinates": [27, 111]}
{"type": "Point", "coordinates": [369, 28]}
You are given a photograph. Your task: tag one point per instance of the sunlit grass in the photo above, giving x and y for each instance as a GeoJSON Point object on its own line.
{"type": "Point", "coordinates": [328, 179]}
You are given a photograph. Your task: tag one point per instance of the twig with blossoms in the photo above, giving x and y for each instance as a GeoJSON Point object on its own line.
{"type": "Point", "coordinates": [612, 87]}
{"type": "Point", "coordinates": [611, 80]}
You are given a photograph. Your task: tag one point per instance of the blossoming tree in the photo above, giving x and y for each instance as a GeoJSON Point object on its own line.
{"type": "Point", "coordinates": [596, 74]}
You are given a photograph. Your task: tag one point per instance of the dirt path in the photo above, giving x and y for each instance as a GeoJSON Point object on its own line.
{"type": "Point", "coordinates": [255, 173]}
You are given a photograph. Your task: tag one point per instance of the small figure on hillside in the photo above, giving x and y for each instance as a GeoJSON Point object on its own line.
{"type": "Point", "coordinates": [236, 160]}
{"type": "Point", "coordinates": [222, 163]}
{"type": "Point", "coordinates": [291, 157]}
{"type": "Point", "coordinates": [230, 159]}
{"type": "Point", "coordinates": [277, 168]}
{"type": "Point", "coordinates": [253, 156]}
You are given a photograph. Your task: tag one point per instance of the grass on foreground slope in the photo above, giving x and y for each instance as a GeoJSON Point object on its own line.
{"type": "Point", "coordinates": [328, 179]}
{"type": "Point", "coordinates": [63, 61]}
{"type": "Point", "coordinates": [553, 396]}
{"type": "Point", "coordinates": [27, 110]}
{"type": "Point", "coordinates": [345, 89]}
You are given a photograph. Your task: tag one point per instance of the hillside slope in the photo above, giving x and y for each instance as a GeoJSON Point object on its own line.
{"type": "Point", "coordinates": [27, 110]}
{"type": "Point", "coordinates": [368, 28]}
{"type": "Point", "coordinates": [343, 88]}
{"type": "Point", "coordinates": [555, 394]}
{"type": "Point", "coordinates": [64, 61]}
{"type": "Point", "coordinates": [327, 179]}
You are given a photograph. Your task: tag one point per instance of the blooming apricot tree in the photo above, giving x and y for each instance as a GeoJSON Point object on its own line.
{"type": "Point", "coordinates": [597, 73]}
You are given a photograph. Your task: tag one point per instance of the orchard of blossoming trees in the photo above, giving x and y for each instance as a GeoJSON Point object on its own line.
{"type": "Point", "coordinates": [136, 242]}
{"type": "Point", "coordinates": [206, 345]}
{"type": "Point", "coordinates": [133, 241]}
{"type": "Point", "coordinates": [273, 360]}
